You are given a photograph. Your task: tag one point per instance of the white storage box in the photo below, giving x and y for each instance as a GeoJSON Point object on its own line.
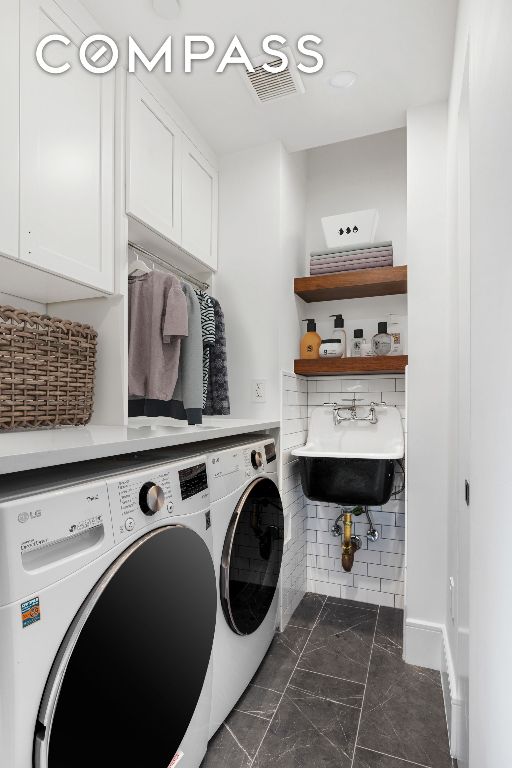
{"type": "Point", "coordinates": [350, 228]}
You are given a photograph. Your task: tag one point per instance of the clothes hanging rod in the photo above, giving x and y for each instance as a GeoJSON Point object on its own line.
{"type": "Point", "coordinates": [170, 267]}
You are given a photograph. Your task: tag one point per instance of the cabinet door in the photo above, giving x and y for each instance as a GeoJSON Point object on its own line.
{"type": "Point", "coordinates": [153, 163]}
{"type": "Point", "coordinates": [67, 159]}
{"type": "Point", "coordinates": [9, 128]}
{"type": "Point", "coordinates": [199, 205]}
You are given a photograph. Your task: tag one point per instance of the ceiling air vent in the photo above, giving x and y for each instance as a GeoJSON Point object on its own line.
{"type": "Point", "coordinates": [270, 86]}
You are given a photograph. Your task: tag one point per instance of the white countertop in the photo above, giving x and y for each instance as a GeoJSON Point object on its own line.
{"type": "Point", "coordinates": [34, 449]}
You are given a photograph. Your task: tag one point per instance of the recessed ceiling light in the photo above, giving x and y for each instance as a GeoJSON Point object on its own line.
{"type": "Point", "coordinates": [167, 9]}
{"type": "Point", "coordinates": [344, 79]}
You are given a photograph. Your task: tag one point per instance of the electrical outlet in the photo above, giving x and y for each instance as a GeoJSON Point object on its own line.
{"type": "Point", "coordinates": [259, 391]}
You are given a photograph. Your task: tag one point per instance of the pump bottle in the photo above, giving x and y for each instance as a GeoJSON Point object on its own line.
{"type": "Point", "coordinates": [340, 333]}
{"type": "Point", "coordinates": [310, 342]}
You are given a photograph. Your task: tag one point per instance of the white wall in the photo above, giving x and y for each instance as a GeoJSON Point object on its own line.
{"type": "Point", "coordinates": [261, 224]}
{"type": "Point", "coordinates": [491, 382]}
{"type": "Point", "coordinates": [455, 672]}
{"type": "Point", "coordinates": [292, 235]}
{"type": "Point", "coordinates": [428, 387]}
{"type": "Point", "coordinates": [370, 172]}
{"type": "Point", "coordinates": [18, 303]}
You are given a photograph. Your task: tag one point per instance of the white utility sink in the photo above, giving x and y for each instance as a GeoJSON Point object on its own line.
{"type": "Point", "coordinates": [354, 439]}
{"type": "Point", "coordinates": [351, 462]}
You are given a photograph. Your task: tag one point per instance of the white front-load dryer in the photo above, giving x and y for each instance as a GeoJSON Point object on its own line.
{"type": "Point", "coordinates": [107, 615]}
{"type": "Point", "coordinates": [248, 530]}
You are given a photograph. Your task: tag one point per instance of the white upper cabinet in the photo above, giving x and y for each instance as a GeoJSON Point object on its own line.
{"type": "Point", "coordinates": [199, 205]}
{"type": "Point", "coordinates": [9, 128]}
{"type": "Point", "coordinates": [67, 156]}
{"type": "Point", "coordinates": [171, 187]}
{"type": "Point", "coordinates": [153, 173]}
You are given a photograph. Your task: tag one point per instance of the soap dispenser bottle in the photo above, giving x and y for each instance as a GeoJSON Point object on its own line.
{"type": "Point", "coordinates": [310, 342]}
{"type": "Point", "coordinates": [357, 342]}
{"type": "Point", "coordinates": [339, 333]}
{"type": "Point", "coordinates": [382, 341]}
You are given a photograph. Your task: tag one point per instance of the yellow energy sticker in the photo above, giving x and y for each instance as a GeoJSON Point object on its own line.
{"type": "Point", "coordinates": [30, 612]}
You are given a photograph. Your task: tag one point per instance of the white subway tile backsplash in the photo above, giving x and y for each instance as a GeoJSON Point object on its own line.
{"type": "Point", "coordinates": [324, 588]}
{"type": "Point", "coordinates": [393, 532]}
{"type": "Point", "coordinates": [318, 398]}
{"type": "Point", "coordinates": [318, 574]}
{"type": "Point", "coordinates": [386, 572]}
{"type": "Point", "coordinates": [367, 596]}
{"type": "Point", "coordinates": [388, 558]}
{"type": "Point", "coordinates": [378, 572]}
{"type": "Point", "coordinates": [381, 385]}
{"type": "Point", "coordinates": [328, 385]}
{"type": "Point", "coordinates": [294, 440]}
{"type": "Point", "coordinates": [396, 587]}
{"type": "Point", "coordinates": [321, 550]}
{"type": "Point", "coordinates": [295, 398]}
{"type": "Point", "coordinates": [394, 398]}
{"type": "Point", "coordinates": [388, 545]}
{"type": "Point", "coordinates": [365, 582]}
{"type": "Point", "coordinates": [368, 556]}
{"type": "Point", "coordinates": [354, 385]}
{"type": "Point", "coordinates": [316, 524]}
{"type": "Point", "coordinates": [340, 577]}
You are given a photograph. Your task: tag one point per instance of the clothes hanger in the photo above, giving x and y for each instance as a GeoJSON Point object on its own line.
{"type": "Point", "coordinates": [138, 265]}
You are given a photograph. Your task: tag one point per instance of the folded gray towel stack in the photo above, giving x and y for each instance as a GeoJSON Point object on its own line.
{"type": "Point", "coordinates": [363, 256]}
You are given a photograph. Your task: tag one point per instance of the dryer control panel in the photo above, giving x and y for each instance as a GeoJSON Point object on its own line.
{"type": "Point", "coordinates": [229, 469]}
{"type": "Point", "coordinates": [150, 496]}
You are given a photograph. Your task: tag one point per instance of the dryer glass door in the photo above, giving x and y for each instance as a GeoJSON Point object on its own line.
{"type": "Point", "coordinates": [129, 673]}
{"type": "Point", "coordinates": [251, 558]}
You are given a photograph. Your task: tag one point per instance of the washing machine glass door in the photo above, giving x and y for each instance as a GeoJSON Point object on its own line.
{"type": "Point", "coordinates": [251, 558]}
{"type": "Point", "coordinates": [129, 673]}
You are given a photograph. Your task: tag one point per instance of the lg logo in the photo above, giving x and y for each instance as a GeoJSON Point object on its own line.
{"type": "Point", "coordinates": [24, 517]}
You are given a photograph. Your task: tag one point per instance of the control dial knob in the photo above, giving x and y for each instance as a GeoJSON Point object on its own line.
{"type": "Point", "coordinates": [151, 498]}
{"type": "Point", "coordinates": [256, 459]}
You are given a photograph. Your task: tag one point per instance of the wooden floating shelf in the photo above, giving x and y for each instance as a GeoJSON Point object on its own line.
{"type": "Point", "coordinates": [382, 281]}
{"type": "Point", "coordinates": [353, 366]}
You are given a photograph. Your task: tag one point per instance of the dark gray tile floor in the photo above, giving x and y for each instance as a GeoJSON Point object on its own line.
{"type": "Point", "coordinates": [333, 690]}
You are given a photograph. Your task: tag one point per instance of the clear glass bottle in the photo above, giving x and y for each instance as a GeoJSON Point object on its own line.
{"type": "Point", "coordinates": [382, 341]}
{"type": "Point", "coordinates": [357, 341]}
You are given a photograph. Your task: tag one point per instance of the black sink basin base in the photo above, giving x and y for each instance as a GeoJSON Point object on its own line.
{"type": "Point", "coordinates": [347, 481]}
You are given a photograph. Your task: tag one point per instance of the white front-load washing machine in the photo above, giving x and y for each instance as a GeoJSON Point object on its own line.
{"type": "Point", "coordinates": [107, 615]}
{"type": "Point", "coordinates": [248, 530]}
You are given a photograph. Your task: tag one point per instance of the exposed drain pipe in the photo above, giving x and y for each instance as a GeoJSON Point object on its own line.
{"type": "Point", "coordinates": [350, 543]}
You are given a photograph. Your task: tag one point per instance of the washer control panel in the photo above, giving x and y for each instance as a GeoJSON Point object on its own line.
{"type": "Point", "coordinates": [149, 496]}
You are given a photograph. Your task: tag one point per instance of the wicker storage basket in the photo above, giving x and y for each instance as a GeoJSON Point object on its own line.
{"type": "Point", "coordinates": [47, 369]}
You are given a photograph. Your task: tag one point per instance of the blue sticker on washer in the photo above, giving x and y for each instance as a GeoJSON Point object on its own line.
{"type": "Point", "coordinates": [30, 612]}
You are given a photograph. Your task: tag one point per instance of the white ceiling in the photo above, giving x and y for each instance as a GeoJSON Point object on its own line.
{"type": "Point", "coordinates": [401, 49]}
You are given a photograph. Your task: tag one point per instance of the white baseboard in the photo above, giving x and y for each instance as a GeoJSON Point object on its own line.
{"type": "Point", "coordinates": [423, 643]}
{"type": "Point", "coordinates": [427, 645]}
{"type": "Point", "coordinates": [454, 706]}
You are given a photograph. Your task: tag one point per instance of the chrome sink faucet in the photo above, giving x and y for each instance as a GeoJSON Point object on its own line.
{"type": "Point", "coordinates": [342, 413]}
